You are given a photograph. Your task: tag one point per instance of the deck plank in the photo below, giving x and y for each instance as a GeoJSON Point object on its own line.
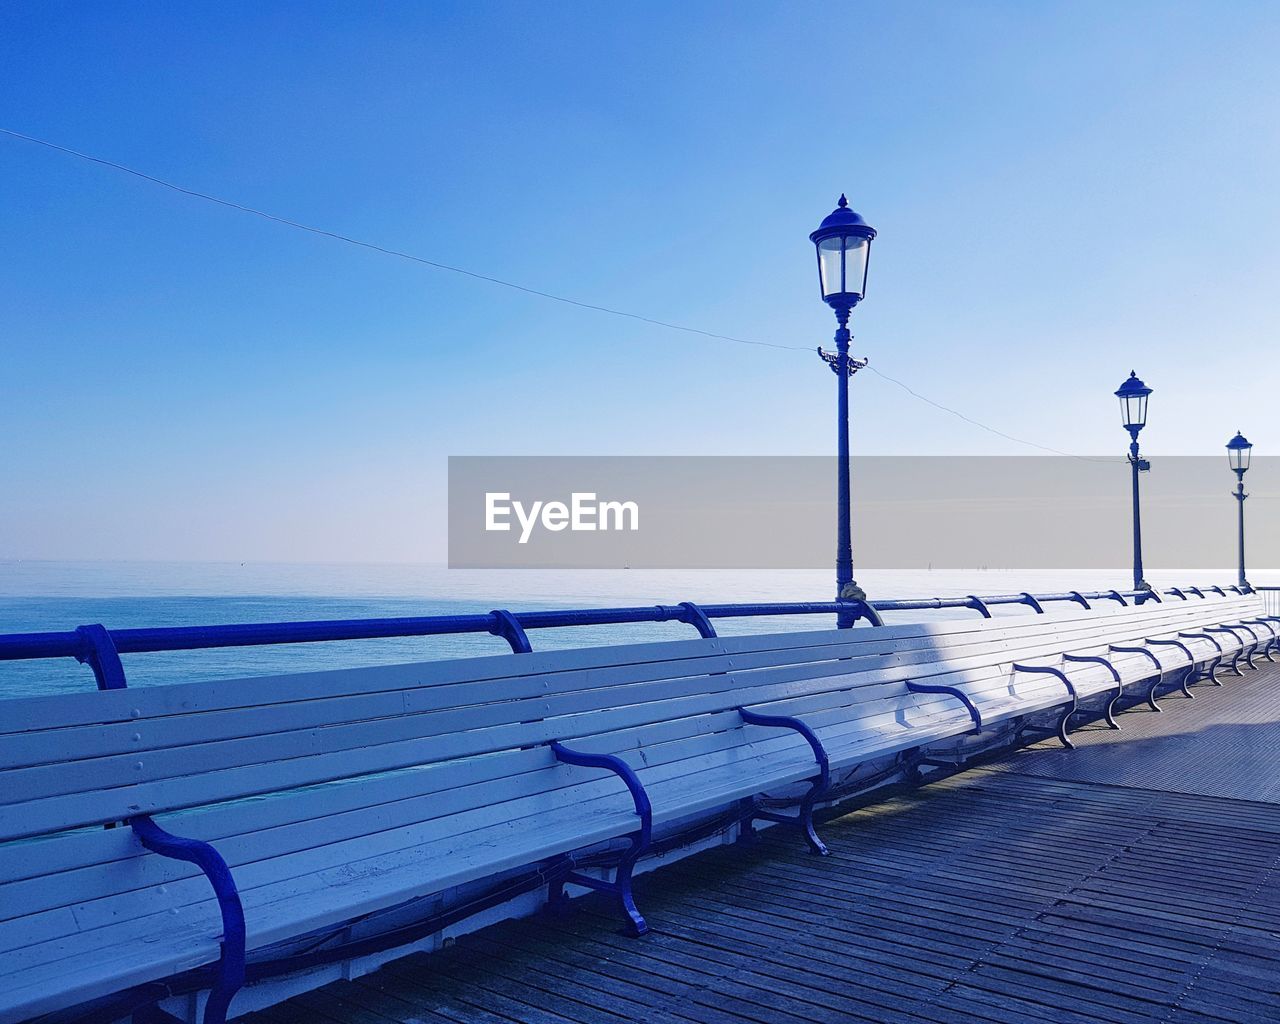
{"type": "Point", "coordinates": [1132, 881]}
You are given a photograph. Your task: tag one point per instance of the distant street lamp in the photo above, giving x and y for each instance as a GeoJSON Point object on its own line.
{"type": "Point", "coordinates": [1238, 451]}
{"type": "Point", "coordinates": [1133, 413]}
{"type": "Point", "coordinates": [843, 242]}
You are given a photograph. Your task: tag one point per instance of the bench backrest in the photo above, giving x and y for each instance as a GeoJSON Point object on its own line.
{"type": "Point", "coordinates": [80, 759]}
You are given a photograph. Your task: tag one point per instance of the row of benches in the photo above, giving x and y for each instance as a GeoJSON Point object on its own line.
{"type": "Point", "coordinates": [290, 805]}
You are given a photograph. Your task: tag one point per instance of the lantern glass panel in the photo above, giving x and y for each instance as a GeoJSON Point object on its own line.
{"type": "Point", "coordinates": [1133, 410]}
{"type": "Point", "coordinates": [842, 265]}
{"type": "Point", "coordinates": [1239, 458]}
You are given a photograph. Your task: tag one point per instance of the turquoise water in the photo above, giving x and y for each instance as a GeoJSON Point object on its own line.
{"type": "Point", "coordinates": [37, 596]}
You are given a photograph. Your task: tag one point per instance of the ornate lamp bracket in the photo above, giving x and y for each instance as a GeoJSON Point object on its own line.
{"type": "Point", "coordinates": [832, 359]}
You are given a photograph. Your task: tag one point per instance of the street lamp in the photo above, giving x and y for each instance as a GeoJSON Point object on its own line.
{"type": "Point", "coordinates": [1133, 414]}
{"type": "Point", "coordinates": [1238, 451]}
{"type": "Point", "coordinates": [843, 243]}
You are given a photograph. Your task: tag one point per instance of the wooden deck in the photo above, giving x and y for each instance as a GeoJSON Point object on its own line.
{"type": "Point", "coordinates": [1135, 879]}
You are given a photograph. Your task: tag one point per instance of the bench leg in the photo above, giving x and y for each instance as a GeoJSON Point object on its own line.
{"type": "Point", "coordinates": [746, 834]}
{"type": "Point", "coordinates": [1151, 693]}
{"type": "Point", "coordinates": [1109, 711]}
{"type": "Point", "coordinates": [621, 884]}
{"type": "Point", "coordinates": [1057, 731]}
{"type": "Point", "coordinates": [637, 924]}
{"type": "Point", "coordinates": [1186, 679]}
{"type": "Point", "coordinates": [1213, 671]}
{"type": "Point", "coordinates": [1235, 662]}
{"type": "Point", "coordinates": [909, 762]}
{"type": "Point", "coordinates": [1062, 728]}
{"type": "Point", "coordinates": [620, 887]}
{"type": "Point", "coordinates": [803, 819]}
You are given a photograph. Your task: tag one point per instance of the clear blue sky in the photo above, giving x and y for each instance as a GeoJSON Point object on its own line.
{"type": "Point", "coordinates": [1062, 191]}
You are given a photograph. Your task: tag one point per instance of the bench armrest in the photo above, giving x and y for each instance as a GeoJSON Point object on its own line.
{"type": "Point", "coordinates": [1174, 643]}
{"type": "Point", "coordinates": [1049, 670]}
{"type": "Point", "coordinates": [952, 691]}
{"type": "Point", "coordinates": [789, 722]}
{"type": "Point", "coordinates": [1202, 636]}
{"type": "Point", "coordinates": [1139, 650]}
{"type": "Point", "coordinates": [230, 969]}
{"type": "Point", "coordinates": [609, 762]}
{"type": "Point", "coordinates": [1096, 659]}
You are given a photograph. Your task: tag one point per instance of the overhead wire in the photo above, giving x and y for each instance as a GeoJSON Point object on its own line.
{"type": "Point", "coordinates": [489, 279]}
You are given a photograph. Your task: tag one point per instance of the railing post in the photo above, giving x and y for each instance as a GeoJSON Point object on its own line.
{"type": "Point", "coordinates": [508, 627]}
{"type": "Point", "coordinates": [100, 654]}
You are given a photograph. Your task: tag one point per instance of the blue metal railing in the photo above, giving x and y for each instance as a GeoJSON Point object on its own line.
{"type": "Point", "coordinates": [100, 648]}
{"type": "Point", "coordinates": [1270, 599]}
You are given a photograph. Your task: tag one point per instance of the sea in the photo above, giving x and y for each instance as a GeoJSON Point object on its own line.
{"type": "Point", "coordinates": [37, 596]}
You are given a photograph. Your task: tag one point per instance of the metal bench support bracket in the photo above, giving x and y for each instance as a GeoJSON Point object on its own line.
{"type": "Point", "coordinates": [621, 884]}
{"type": "Point", "coordinates": [803, 819]}
{"type": "Point", "coordinates": [1072, 707]}
{"type": "Point", "coordinates": [1235, 658]}
{"type": "Point", "coordinates": [1211, 670]}
{"type": "Point", "coordinates": [229, 973]}
{"type": "Point", "coordinates": [1109, 712]}
{"type": "Point", "coordinates": [1151, 694]}
{"type": "Point", "coordinates": [951, 691]}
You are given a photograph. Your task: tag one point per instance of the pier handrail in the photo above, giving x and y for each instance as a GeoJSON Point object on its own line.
{"type": "Point", "coordinates": [1270, 599]}
{"type": "Point", "coordinates": [511, 626]}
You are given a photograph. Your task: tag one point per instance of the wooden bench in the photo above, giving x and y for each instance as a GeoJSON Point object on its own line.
{"type": "Point", "coordinates": [1081, 658]}
{"type": "Point", "coordinates": [289, 806]}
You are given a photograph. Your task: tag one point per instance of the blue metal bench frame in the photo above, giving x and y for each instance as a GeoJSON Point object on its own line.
{"type": "Point", "coordinates": [1235, 658]}
{"type": "Point", "coordinates": [229, 972]}
{"type": "Point", "coordinates": [1109, 710]}
{"type": "Point", "coordinates": [620, 886]}
{"type": "Point", "coordinates": [1253, 648]}
{"type": "Point", "coordinates": [803, 819]}
{"type": "Point", "coordinates": [1211, 670]}
{"type": "Point", "coordinates": [952, 691]}
{"type": "Point", "coordinates": [1151, 693]}
{"type": "Point", "coordinates": [1267, 621]}
{"type": "Point", "coordinates": [1071, 708]}
{"type": "Point", "coordinates": [1185, 681]}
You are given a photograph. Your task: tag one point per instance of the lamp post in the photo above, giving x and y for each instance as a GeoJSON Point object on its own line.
{"type": "Point", "coordinates": [843, 243]}
{"type": "Point", "coordinates": [1238, 451]}
{"type": "Point", "coordinates": [1133, 413]}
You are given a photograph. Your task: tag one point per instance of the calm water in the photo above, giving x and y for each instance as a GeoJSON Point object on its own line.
{"type": "Point", "coordinates": [38, 596]}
